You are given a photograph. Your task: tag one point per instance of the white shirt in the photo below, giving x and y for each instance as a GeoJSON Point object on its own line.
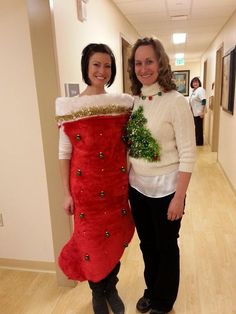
{"type": "Point", "coordinates": [195, 100]}
{"type": "Point", "coordinates": [158, 186]}
{"type": "Point", "coordinates": [65, 147]}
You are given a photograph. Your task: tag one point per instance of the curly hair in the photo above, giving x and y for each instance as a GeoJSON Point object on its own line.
{"type": "Point", "coordinates": [87, 53]}
{"type": "Point", "coordinates": [165, 76]}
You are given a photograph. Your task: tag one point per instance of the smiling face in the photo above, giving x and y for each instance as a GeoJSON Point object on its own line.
{"type": "Point", "coordinates": [195, 84]}
{"type": "Point", "coordinates": [146, 65]}
{"type": "Point", "coordinates": [99, 69]}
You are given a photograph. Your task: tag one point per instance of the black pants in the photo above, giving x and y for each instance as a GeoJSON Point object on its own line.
{"type": "Point", "coordinates": [158, 242]}
{"type": "Point", "coordinates": [108, 283]}
{"type": "Point", "coordinates": [198, 130]}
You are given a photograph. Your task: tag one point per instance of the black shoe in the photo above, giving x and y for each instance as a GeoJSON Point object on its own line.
{"type": "Point", "coordinates": [99, 303]}
{"type": "Point", "coordinates": [115, 301]}
{"type": "Point", "coordinates": [143, 305]}
{"type": "Point", "coordinates": [157, 312]}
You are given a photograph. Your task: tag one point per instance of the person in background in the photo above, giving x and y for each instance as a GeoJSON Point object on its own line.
{"type": "Point", "coordinates": [197, 102]}
{"type": "Point", "coordinates": [93, 154]}
{"type": "Point", "coordinates": [161, 155]}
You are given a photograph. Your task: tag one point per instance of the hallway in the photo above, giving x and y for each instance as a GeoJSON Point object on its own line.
{"type": "Point", "coordinates": [208, 260]}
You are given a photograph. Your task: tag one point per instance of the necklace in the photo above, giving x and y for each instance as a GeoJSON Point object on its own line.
{"type": "Point", "coordinates": [151, 96]}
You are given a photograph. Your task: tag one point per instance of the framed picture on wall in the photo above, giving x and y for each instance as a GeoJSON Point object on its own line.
{"type": "Point", "coordinates": [181, 79]}
{"type": "Point", "coordinates": [228, 81]}
{"type": "Point", "coordinates": [71, 89]}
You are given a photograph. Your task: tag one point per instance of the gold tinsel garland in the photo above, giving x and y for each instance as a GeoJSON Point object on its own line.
{"type": "Point", "coordinates": [92, 111]}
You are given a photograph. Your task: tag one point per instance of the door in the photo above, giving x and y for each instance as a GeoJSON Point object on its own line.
{"type": "Point", "coordinates": [126, 50]}
{"type": "Point", "coordinates": [217, 101]}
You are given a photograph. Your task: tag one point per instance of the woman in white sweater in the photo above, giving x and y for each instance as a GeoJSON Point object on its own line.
{"type": "Point", "coordinates": [162, 154]}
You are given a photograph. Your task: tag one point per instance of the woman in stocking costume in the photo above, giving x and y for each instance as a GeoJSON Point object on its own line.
{"type": "Point", "coordinates": [93, 162]}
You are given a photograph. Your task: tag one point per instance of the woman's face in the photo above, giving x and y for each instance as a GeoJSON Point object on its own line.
{"type": "Point", "coordinates": [146, 65]}
{"type": "Point", "coordinates": [99, 69]}
{"type": "Point", "coordinates": [195, 84]}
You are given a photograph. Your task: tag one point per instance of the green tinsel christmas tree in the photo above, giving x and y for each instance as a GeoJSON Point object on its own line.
{"type": "Point", "coordinates": [140, 141]}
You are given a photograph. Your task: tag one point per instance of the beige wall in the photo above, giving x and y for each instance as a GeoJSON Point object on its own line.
{"type": "Point", "coordinates": [26, 234]}
{"type": "Point", "coordinates": [104, 24]}
{"type": "Point", "coordinates": [194, 67]}
{"type": "Point", "coordinates": [227, 130]}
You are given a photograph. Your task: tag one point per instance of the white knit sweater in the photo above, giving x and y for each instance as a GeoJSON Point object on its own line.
{"type": "Point", "coordinates": [170, 122]}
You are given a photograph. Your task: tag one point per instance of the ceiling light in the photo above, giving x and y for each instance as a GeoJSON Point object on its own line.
{"type": "Point", "coordinates": [179, 55]}
{"type": "Point", "coordinates": [179, 38]}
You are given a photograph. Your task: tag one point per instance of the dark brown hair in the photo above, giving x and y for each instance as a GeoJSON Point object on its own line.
{"type": "Point", "coordinates": [164, 78]}
{"type": "Point", "coordinates": [195, 79]}
{"type": "Point", "coordinates": [87, 53]}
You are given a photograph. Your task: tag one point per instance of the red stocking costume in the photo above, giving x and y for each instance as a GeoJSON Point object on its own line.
{"type": "Point", "coordinates": [103, 225]}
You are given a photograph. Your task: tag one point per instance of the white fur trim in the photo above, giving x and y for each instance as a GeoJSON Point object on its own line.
{"type": "Point", "coordinates": [66, 105]}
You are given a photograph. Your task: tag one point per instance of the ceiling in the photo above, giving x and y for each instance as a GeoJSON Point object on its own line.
{"type": "Point", "coordinates": [202, 20]}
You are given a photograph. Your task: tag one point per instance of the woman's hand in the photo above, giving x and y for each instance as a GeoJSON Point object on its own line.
{"type": "Point", "coordinates": [65, 173]}
{"type": "Point", "coordinates": [69, 205]}
{"type": "Point", "coordinates": [203, 111]}
{"type": "Point", "coordinates": [176, 209]}
{"type": "Point", "coordinates": [202, 114]}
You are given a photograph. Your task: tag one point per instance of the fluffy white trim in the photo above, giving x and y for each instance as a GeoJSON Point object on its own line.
{"type": "Point", "coordinates": [66, 105]}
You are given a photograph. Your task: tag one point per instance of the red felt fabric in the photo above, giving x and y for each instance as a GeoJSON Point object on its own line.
{"type": "Point", "coordinates": [103, 225]}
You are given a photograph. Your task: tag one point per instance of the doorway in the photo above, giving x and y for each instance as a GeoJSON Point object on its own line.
{"type": "Point", "coordinates": [217, 101]}
{"type": "Point", "coordinates": [205, 125]}
{"type": "Point", "coordinates": [126, 50]}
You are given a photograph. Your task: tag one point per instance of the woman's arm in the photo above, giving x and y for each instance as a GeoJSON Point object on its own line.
{"type": "Point", "coordinates": [65, 149]}
{"type": "Point", "coordinates": [65, 174]}
{"type": "Point", "coordinates": [185, 141]}
{"type": "Point", "coordinates": [176, 207]}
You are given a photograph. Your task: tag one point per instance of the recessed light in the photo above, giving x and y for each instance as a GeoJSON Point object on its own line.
{"type": "Point", "coordinates": [179, 38]}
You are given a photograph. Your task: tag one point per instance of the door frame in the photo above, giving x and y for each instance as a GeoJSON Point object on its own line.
{"type": "Point", "coordinates": [217, 99]}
